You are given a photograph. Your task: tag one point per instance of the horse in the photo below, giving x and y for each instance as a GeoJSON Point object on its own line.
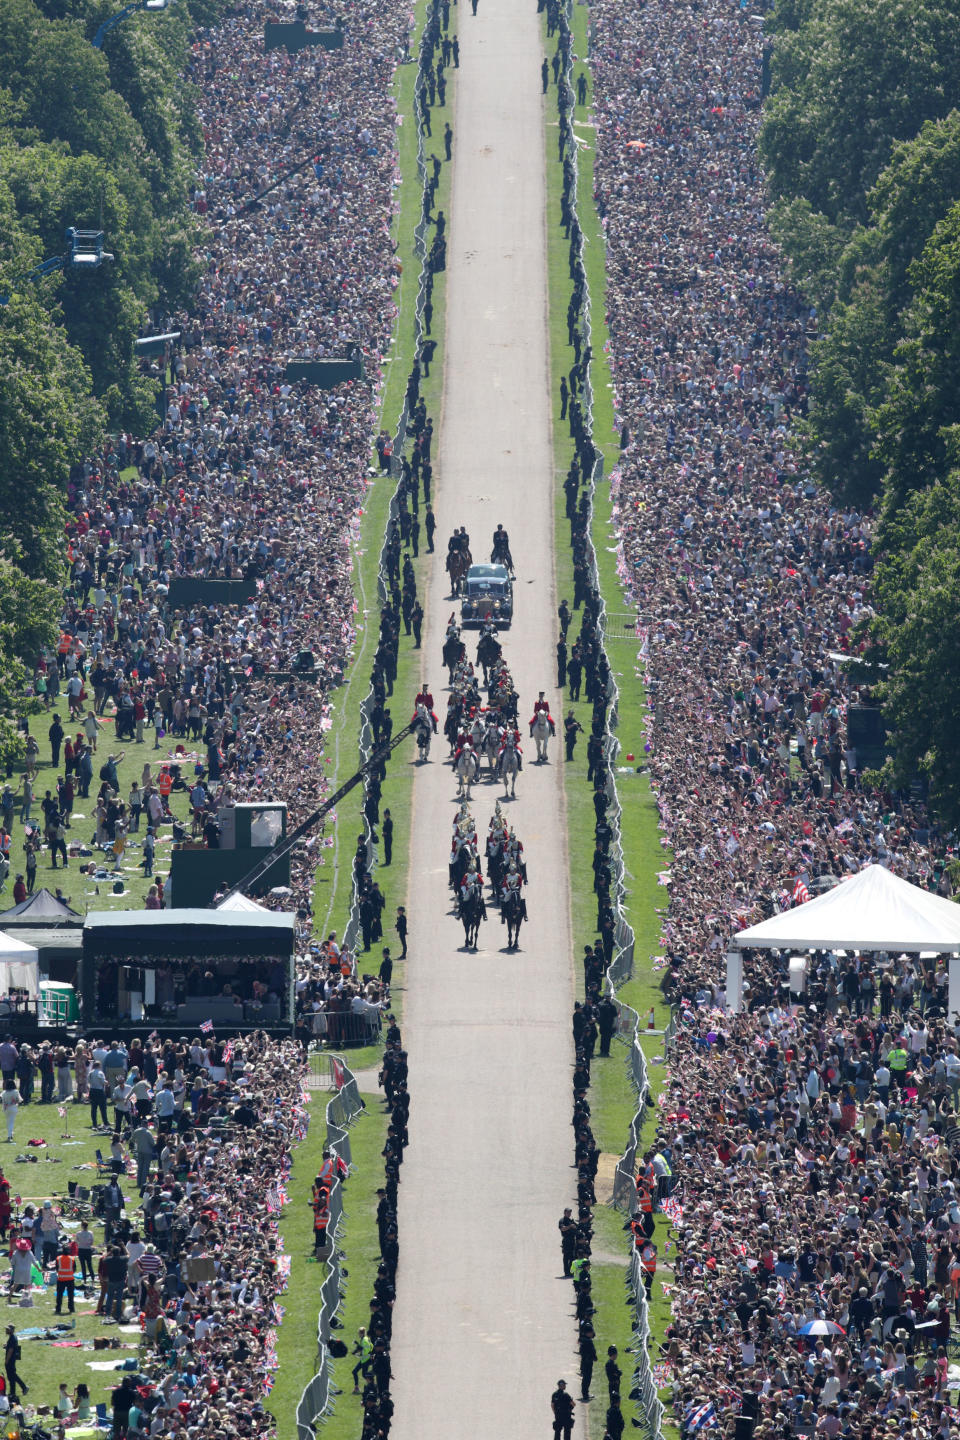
{"type": "Point", "coordinates": [509, 768]}
{"type": "Point", "coordinates": [489, 651]}
{"type": "Point", "coordinates": [451, 725]}
{"type": "Point", "coordinates": [454, 650]}
{"type": "Point", "coordinates": [461, 856]}
{"type": "Point", "coordinates": [513, 912]}
{"type": "Point", "coordinates": [500, 555]}
{"type": "Point", "coordinates": [423, 730]}
{"type": "Point", "coordinates": [496, 869]}
{"type": "Point", "coordinates": [458, 562]}
{"type": "Point", "coordinates": [540, 730]}
{"type": "Point", "coordinates": [467, 766]}
{"type": "Point", "coordinates": [490, 749]}
{"type": "Point", "coordinates": [471, 910]}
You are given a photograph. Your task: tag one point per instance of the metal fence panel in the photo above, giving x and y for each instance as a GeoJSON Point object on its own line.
{"type": "Point", "coordinates": [621, 966]}
{"type": "Point", "coordinates": [342, 1108]}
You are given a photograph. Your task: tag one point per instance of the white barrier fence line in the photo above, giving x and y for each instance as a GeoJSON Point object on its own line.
{"type": "Point", "coordinates": [621, 965]}
{"type": "Point", "coordinates": [420, 247]}
{"type": "Point", "coordinates": [342, 1108]}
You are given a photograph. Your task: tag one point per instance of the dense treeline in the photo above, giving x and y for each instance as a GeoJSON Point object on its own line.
{"type": "Point", "coordinates": [100, 140]}
{"type": "Point", "coordinates": [861, 140]}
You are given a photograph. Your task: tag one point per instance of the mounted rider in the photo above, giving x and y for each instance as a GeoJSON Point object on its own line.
{"type": "Point", "coordinates": [472, 882]}
{"type": "Point", "coordinates": [500, 555]}
{"type": "Point", "coordinates": [509, 737]}
{"type": "Point", "coordinates": [513, 854]}
{"type": "Point", "coordinates": [512, 883]}
{"type": "Point", "coordinates": [544, 705]}
{"type": "Point", "coordinates": [453, 650]}
{"type": "Point", "coordinates": [424, 697]}
{"type": "Point", "coordinates": [488, 650]}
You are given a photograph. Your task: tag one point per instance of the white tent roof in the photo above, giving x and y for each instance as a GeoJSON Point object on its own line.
{"type": "Point", "coordinates": [873, 910]}
{"type": "Point", "coordinates": [238, 902]}
{"type": "Point", "coordinates": [19, 966]}
{"type": "Point", "coordinates": [13, 949]}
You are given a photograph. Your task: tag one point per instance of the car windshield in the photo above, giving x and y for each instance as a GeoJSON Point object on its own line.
{"type": "Point", "coordinates": [482, 585]}
{"type": "Point", "coordinates": [487, 572]}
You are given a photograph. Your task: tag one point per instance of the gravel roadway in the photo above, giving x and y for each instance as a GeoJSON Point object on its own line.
{"type": "Point", "coordinates": [483, 1325]}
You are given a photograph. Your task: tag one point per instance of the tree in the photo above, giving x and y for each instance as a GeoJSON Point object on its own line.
{"type": "Point", "coordinates": [918, 421]}
{"type": "Point", "coordinates": [48, 418]}
{"type": "Point", "coordinates": [849, 82]}
{"type": "Point", "coordinates": [862, 294]}
{"type": "Point", "coordinates": [114, 153]}
{"type": "Point", "coordinates": [917, 635]}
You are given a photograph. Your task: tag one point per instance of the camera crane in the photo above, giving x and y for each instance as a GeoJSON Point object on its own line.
{"type": "Point", "coordinates": [312, 820]}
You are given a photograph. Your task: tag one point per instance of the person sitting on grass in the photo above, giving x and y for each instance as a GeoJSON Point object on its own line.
{"type": "Point", "coordinates": [81, 1402]}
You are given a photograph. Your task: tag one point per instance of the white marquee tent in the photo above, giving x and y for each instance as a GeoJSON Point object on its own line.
{"type": "Point", "coordinates": [873, 910]}
{"type": "Point", "coordinates": [19, 967]}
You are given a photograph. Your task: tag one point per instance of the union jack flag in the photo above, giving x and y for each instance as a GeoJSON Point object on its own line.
{"type": "Point", "coordinates": [800, 893]}
{"type": "Point", "coordinates": [205, 1027]}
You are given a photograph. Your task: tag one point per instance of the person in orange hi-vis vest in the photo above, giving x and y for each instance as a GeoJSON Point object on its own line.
{"type": "Point", "coordinates": [66, 1279]}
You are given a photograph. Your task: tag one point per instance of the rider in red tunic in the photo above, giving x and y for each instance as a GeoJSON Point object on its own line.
{"type": "Point", "coordinates": [544, 705]}
{"type": "Point", "coordinates": [425, 698]}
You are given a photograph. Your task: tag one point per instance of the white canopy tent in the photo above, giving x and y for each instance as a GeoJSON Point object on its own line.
{"type": "Point", "coordinates": [873, 910]}
{"type": "Point", "coordinates": [19, 967]}
{"type": "Point", "coordinates": [239, 902]}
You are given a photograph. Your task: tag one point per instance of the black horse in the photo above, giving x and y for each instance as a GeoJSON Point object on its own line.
{"type": "Point", "coordinates": [459, 867]}
{"type": "Point", "coordinates": [489, 651]}
{"type": "Point", "coordinates": [496, 867]}
{"type": "Point", "coordinates": [513, 912]}
{"type": "Point", "coordinates": [471, 910]}
{"type": "Point", "coordinates": [451, 725]}
{"type": "Point", "coordinates": [454, 651]}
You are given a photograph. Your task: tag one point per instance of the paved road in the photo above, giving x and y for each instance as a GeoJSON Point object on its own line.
{"type": "Point", "coordinates": [482, 1327]}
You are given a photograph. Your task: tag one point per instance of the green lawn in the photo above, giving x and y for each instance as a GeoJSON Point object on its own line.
{"type": "Point", "coordinates": [334, 880]}
{"type": "Point", "coordinates": [82, 892]}
{"type": "Point", "coordinates": [612, 1096]}
{"type": "Point", "coordinates": [358, 1240]}
{"type": "Point", "coordinates": [69, 1155]}
{"type": "Point", "coordinates": [296, 1340]}
{"type": "Point", "coordinates": [360, 1248]}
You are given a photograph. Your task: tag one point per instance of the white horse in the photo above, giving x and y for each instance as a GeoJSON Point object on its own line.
{"type": "Point", "coordinates": [490, 749]}
{"type": "Point", "coordinates": [467, 768]}
{"type": "Point", "coordinates": [509, 768]}
{"type": "Point", "coordinates": [541, 734]}
{"type": "Point", "coordinates": [476, 733]}
{"type": "Point", "coordinates": [423, 731]}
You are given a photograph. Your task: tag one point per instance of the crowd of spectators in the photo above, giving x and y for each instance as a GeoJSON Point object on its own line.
{"type": "Point", "coordinates": [813, 1148]}
{"type": "Point", "coordinates": [250, 477]}
{"type": "Point", "coordinates": [258, 480]}
{"type": "Point", "coordinates": [195, 1179]}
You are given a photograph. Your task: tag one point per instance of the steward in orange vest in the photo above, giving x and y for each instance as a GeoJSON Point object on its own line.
{"type": "Point", "coordinates": [66, 1280]}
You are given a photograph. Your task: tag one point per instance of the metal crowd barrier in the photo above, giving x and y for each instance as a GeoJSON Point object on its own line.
{"type": "Point", "coordinates": [342, 1108]}
{"type": "Point", "coordinates": [383, 589]}
{"type": "Point", "coordinates": [621, 965]}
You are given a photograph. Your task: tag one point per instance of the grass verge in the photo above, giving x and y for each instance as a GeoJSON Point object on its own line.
{"type": "Point", "coordinates": [69, 1154]}
{"type": "Point", "coordinates": [296, 1341]}
{"type": "Point", "coordinates": [333, 890]}
{"type": "Point", "coordinates": [612, 1096]}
